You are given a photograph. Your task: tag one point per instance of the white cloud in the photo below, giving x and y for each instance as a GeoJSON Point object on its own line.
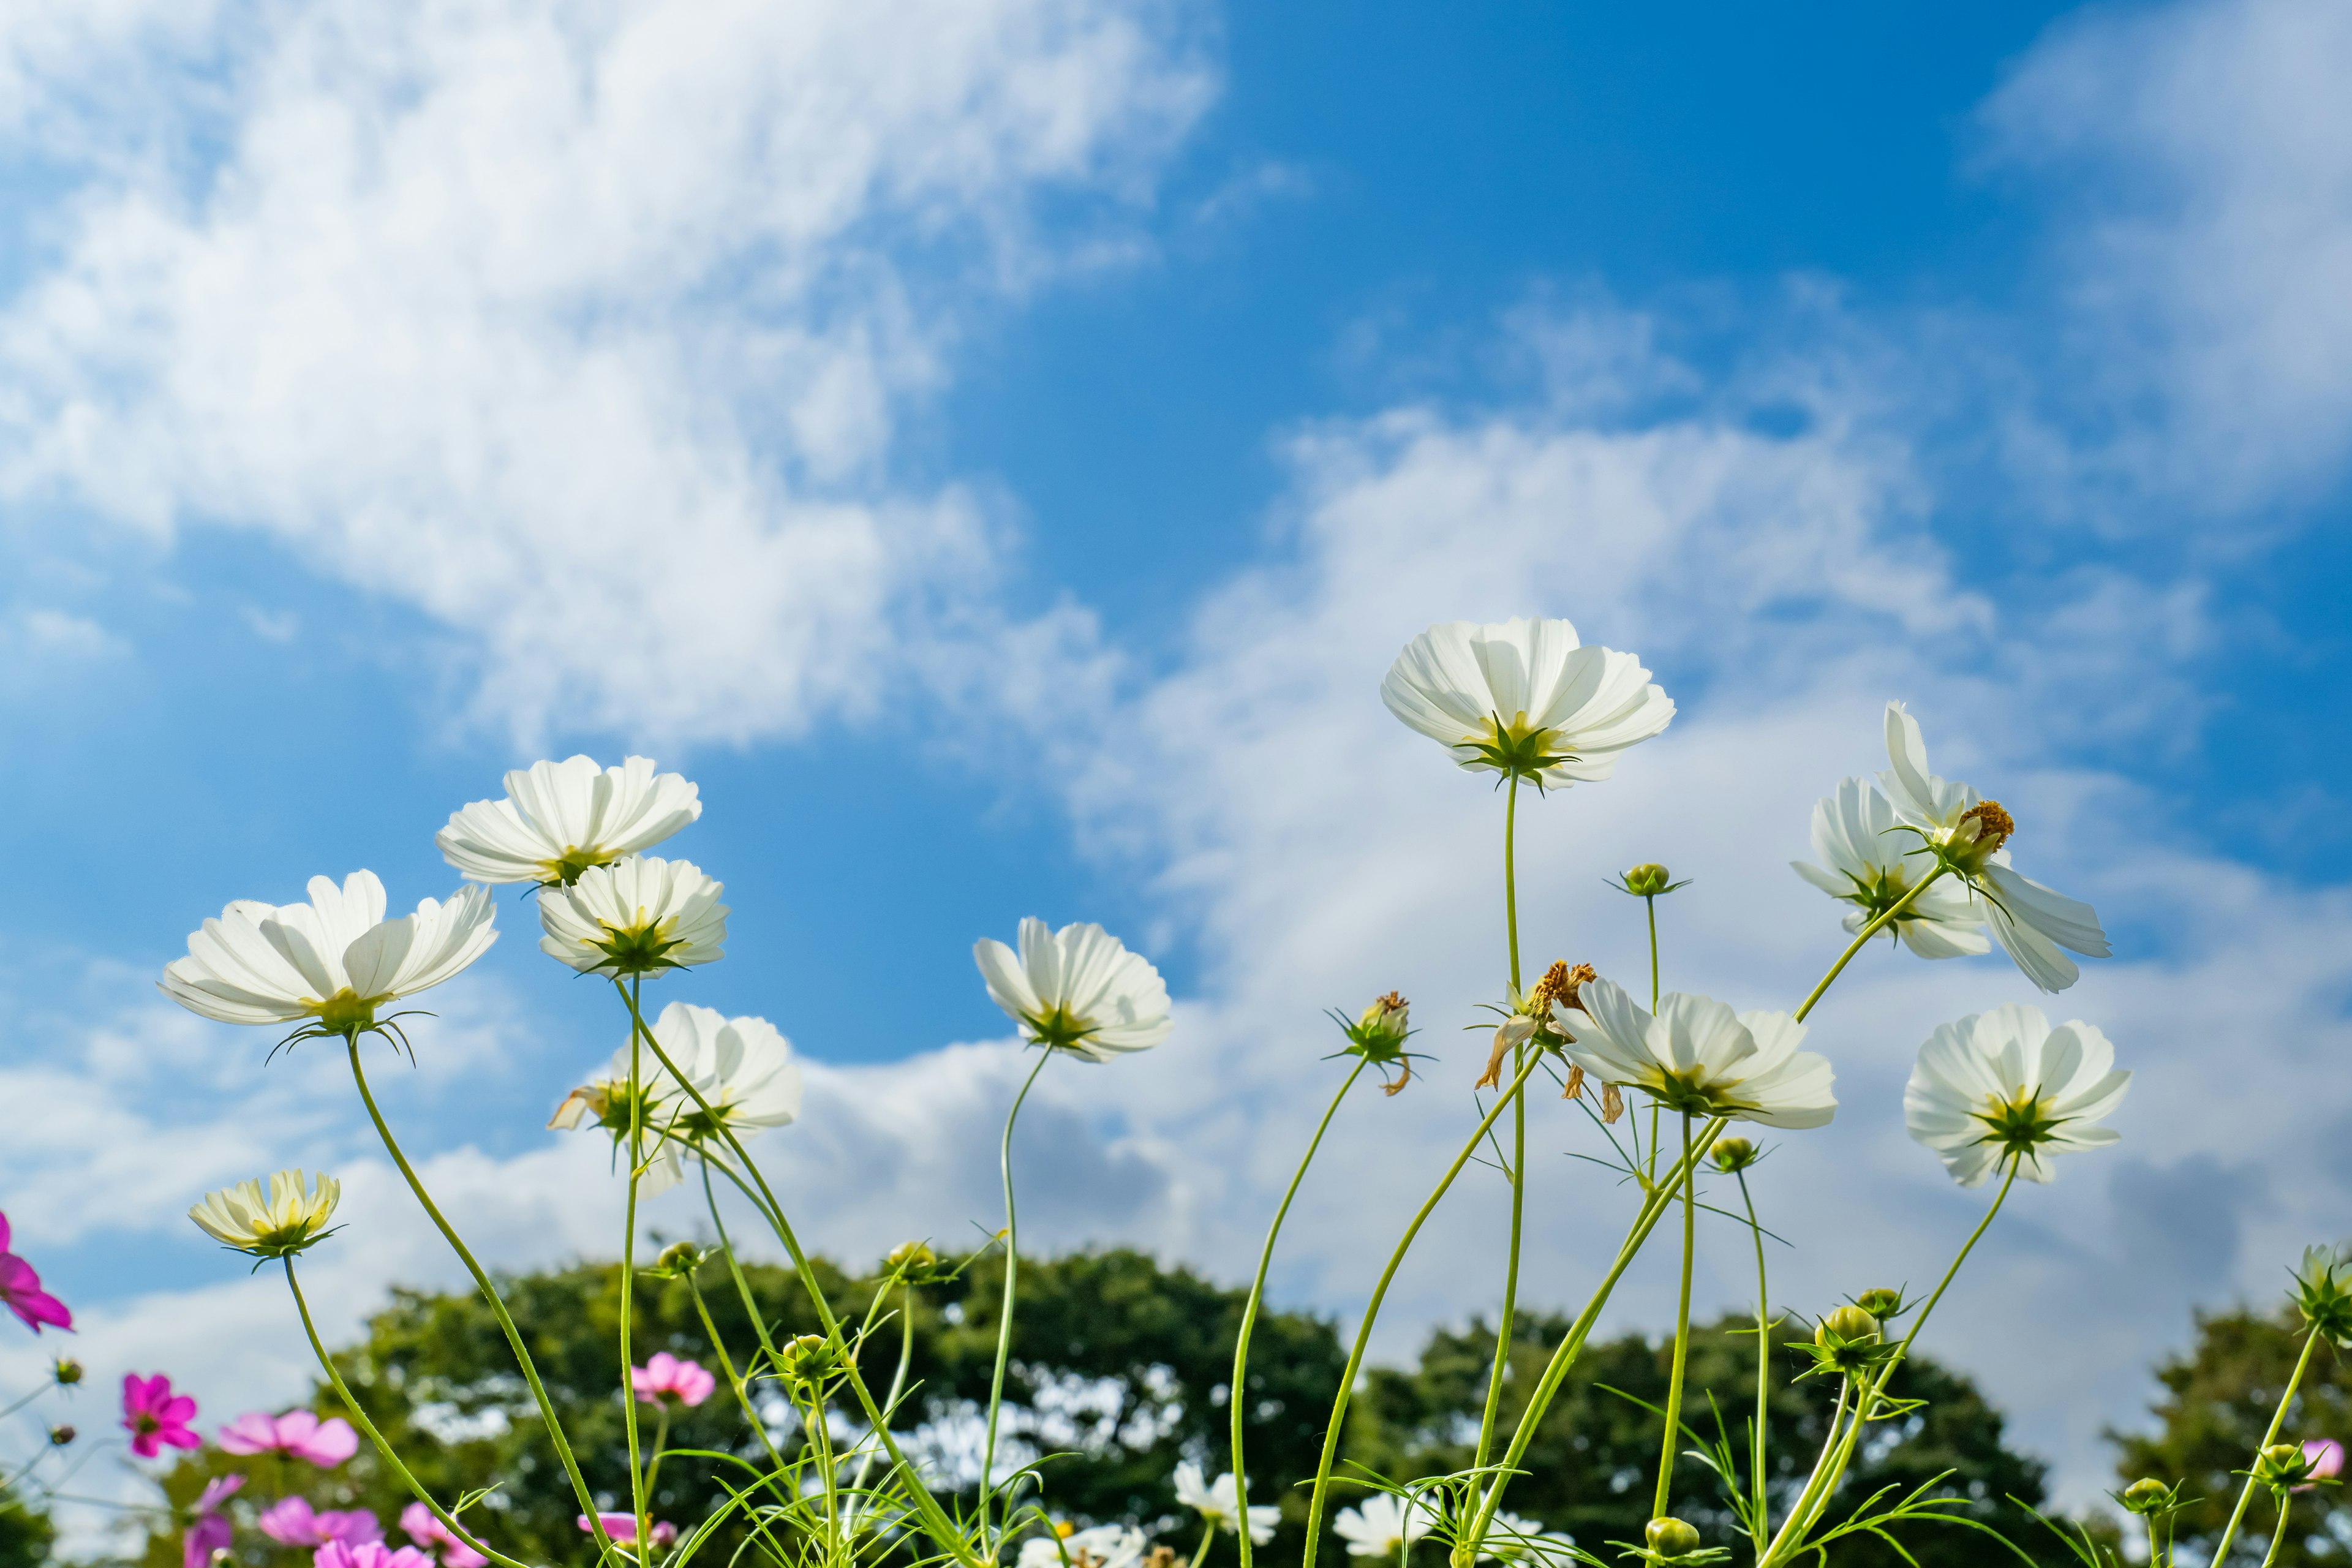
{"type": "Point", "coordinates": [585, 333]}
{"type": "Point", "coordinates": [2199, 155]}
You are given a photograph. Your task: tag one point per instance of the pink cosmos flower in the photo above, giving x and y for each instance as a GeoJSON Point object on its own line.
{"type": "Point", "coordinates": [2326, 1456]}
{"type": "Point", "coordinates": [433, 1535]}
{"type": "Point", "coordinates": [300, 1433]}
{"type": "Point", "coordinates": [290, 1523]}
{"type": "Point", "coordinates": [20, 1286]}
{"type": "Point", "coordinates": [682, 1381]}
{"type": "Point", "coordinates": [368, 1555]}
{"type": "Point", "coordinates": [154, 1416]}
{"type": "Point", "coordinates": [210, 1532]}
{"type": "Point", "coordinates": [623, 1527]}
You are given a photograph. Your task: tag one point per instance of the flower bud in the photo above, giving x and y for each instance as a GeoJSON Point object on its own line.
{"type": "Point", "coordinates": [911, 1255]}
{"type": "Point", "coordinates": [1881, 1303]}
{"type": "Point", "coordinates": [1670, 1538]}
{"type": "Point", "coordinates": [61, 1435]}
{"type": "Point", "coordinates": [67, 1371]}
{"type": "Point", "coordinates": [807, 1358]}
{"type": "Point", "coordinates": [1647, 880]}
{"type": "Point", "coordinates": [1734, 1154]}
{"type": "Point", "coordinates": [679, 1258]}
{"type": "Point", "coordinates": [2146, 1495]}
{"type": "Point", "coordinates": [1847, 1323]}
{"type": "Point", "coordinates": [2282, 1467]}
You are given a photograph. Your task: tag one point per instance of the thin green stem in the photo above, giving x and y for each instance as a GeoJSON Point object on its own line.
{"type": "Point", "coordinates": [16, 1404]}
{"type": "Point", "coordinates": [1236, 1396]}
{"type": "Point", "coordinates": [384, 1449]}
{"type": "Point", "coordinates": [1005, 1314]}
{"type": "Point", "coordinates": [2278, 1536]}
{"type": "Point", "coordinates": [1893, 912]}
{"type": "Point", "coordinates": [2278, 1419]}
{"type": "Point", "coordinates": [1511, 878]}
{"type": "Point", "coordinates": [1208, 1535]}
{"type": "Point", "coordinates": [653, 1458]}
{"type": "Point", "coordinates": [490, 1295]}
{"type": "Point", "coordinates": [1682, 1328]}
{"type": "Point", "coordinates": [1652, 899]}
{"type": "Point", "coordinates": [639, 1482]}
{"type": "Point", "coordinates": [1506, 1323]}
{"type": "Point", "coordinates": [1317, 1499]}
{"type": "Point", "coordinates": [897, 1387]}
{"type": "Point", "coordinates": [1763, 1369]}
{"type": "Point", "coordinates": [734, 1378]}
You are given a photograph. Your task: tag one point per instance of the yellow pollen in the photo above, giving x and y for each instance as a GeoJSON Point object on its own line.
{"type": "Point", "coordinates": [1994, 825]}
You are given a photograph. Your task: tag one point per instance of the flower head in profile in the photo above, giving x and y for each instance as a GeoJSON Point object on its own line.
{"type": "Point", "coordinates": [2003, 1087]}
{"type": "Point", "coordinates": [2323, 1294]}
{"type": "Point", "coordinates": [20, 1288]}
{"type": "Point", "coordinates": [1523, 698]}
{"type": "Point", "coordinates": [559, 818]}
{"type": "Point", "coordinates": [1383, 1525]}
{"type": "Point", "coordinates": [291, 1521]}
{"type": "Point", "coordinates": [1099, 1546]}
{"type": "Point", "coordinates": [372, 1554]}
{"type": "Point", "coordinates": [421, 1525]}
{"type": "Point", "coordinates": [1219, 1502]}
{"type": "Point", "coordinates": [328, 964]}
{"type": "Point", "coordinates": [1970, 837]}
{"type": "Point", "coordinates": [298, 1434]}
{"type": "Point", "coordinates": [208, 1530]}
{"type": "Point", "coordinates": [155, 1416]}
{"type": "Point", "coordinates": [1869, 862]}
{"type": "Point", "coordinates": [743, 1067]}
{"type": "Point", "coordinates": [665, 1376]}
{"type": "Point", "coordinates": [1698, 1055]}
{"type": "Point", "coordinates": [641, 916]}
{"type": "Point", "coordinates": [1078, 989]}
{"type": "Point", "coordinates": [291, 1217]}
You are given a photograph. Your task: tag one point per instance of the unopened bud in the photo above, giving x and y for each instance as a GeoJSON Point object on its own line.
{"type": "Point", "coordinates": [61, 1436]}
{"type": "Point", "coordinates": [66, 1371]}
{"type": "Point", "coordinates": [1733, 1155]}
{"type": "Point", "coordinates": [680, 1257]}
{"type": "Point", "coordinates": [1881, 1303]}
{"type": "Point", "coordinates": [1670, 1538]}
{"type": "Point", "coordinates": [2146, 1495]}
{"type": "Point", "coordinates": [2282, 1467]}
{"type": "Point", "coordinates": [911, 1255]}
{"type": "Point", "coordinates": [1647, 880]}
{"type": "Point", "coordinates": [807, 1357]}
{"type": "Point", "coordinates": [1848, 1323]}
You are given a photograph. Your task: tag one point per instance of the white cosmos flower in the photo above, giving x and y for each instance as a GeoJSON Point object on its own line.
{"type": "Point", "coordinates": [743, 1069]}
{"type": "Point", "coordinates": [638, 916]}
{"type": "Point", "coordinates": [288, 1219]}
{"type": "Point", "coordinates": [1380, 1526]}
{"type": "Point", "coordinates": [2005, 1084]}
{"type": "Point", "coordinates": [1524, 699]}
{"type": "Point", "coordinates": [1219, 1502]}
{"type": "Point", "coordinates": [1077, 989]}
{"type": "Point", "coordinates": [559, 818]}
{"type": "Point", "coordinates": [1101, 1546]}
{"type": "Point", "coordinates": [333, 961]}
{"type": "Point", "coordinates": [1869, 862]}
{"type": "Point", "coordinates": [1698, 1055]}
{"type": "Point", "coordinates": [2031, 921]}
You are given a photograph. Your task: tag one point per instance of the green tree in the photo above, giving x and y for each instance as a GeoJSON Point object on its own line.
{"type": "Point", "coordinates": [2219, 1399]}
{"type": "Point", "coordinates": [1590, 1467]}
{"type": "Point", "coordinates": [26, 1532]}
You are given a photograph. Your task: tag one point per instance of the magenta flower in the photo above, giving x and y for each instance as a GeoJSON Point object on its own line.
{"type": "Point", "coordinates": [210, 1532]}
{"type": "Point", "coordinates": [368, 1555]}
{"type": "Point", "coordinates": [300, 1433]}
{"type": "Point", "coordinates": [154, 1416]}
{"type": "Point", "coordinates": [623, 1527]}
{"type": "Point", "coordinates": [2326, 1458]}
{"type": "Point", "coordinates": [682, 1381]}
{"type": "Point", "coordinates": [20, 1286]}
{"type": "Point", "coordinates": [433, 1535]}
{"type": "Point", "coordinates": [290, 1523]}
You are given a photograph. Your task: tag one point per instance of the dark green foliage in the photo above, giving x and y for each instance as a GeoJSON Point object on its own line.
{"type": "Point", "coordinates": [2218, 1404]}
{"type": "Point", "coordinates": [1592, 1464]}
{"type": "Point", "coordinates": [26, 1533]}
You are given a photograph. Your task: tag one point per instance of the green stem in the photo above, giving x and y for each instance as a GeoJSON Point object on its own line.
{"type": "Point", "coordinates": [1893, 912]}
{"type": "Point", "coordinates": [654, 1459]}
{"type": "Point", "coordinates": [639, 1482]}
{"type": "Point", "coordinates": [1208, 1535]}
{"type": "Point", "coordinates": [1317, 1499]}
{"type": "Point", "coordinates": [1646, 1219]}
{"type": "Point", "coordinates": [1236, 1392]}
{"type": "Point", "coordinates": [1682, 1328]}
{"type": "Point", "coordinates": [1652, 899]}
{"type": "Point", "coordinates": [1763, 1369]}
{"type": "Point", "coordinates": [1506, 1324]}
{"type": "Point", "coordinates": [490, 1295]}
{"type": "Point", "coordinates": [1511, 878]}
{"type": "Point", "coordinates": [1004, 1315]}
{"type": "Point", "coordinates": [2278, 1419]}
{"type": "Point", "coordinates": [382, 1448]}
{"type": "Point", "coordinates": [734, 1378]}
{"type": "Point", "coordinates": [897, 1387]}
{"type": "Point", "coordinates": [2278, 1536]}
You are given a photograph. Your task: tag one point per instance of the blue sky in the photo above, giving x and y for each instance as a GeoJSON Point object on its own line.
{"type": "Point", "coordinates": [999, 478]}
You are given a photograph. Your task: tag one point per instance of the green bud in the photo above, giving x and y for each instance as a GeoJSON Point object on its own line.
{"type": "Point", "coordinates": [911, 1255]}
{"type": "Point", "coordinates": [1647, 880]}
{"type": "Point", "coordinates": [679, 1258]}
{"type": "Point", "coordinates": [2282, 1467]}
{"type": "Point", "coordinates": [1670, 1538]}
{"type": "Point", "coordinates": [67, 1371]}
{"type": "Point", "coordinates": [2146, 1495]}
{"type": "Point", "coordinates": [1734, 1154]}
{"type": "Point", "coordinates": [1881, 1303]}
{"type": "Point", "coordinates": [807, 1358]}
{"type": "Point", "coordinates": [1847, 1323]}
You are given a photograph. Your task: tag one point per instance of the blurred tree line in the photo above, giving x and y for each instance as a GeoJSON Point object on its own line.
{"type": "Point", "coordinates": [1120, 1365]}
